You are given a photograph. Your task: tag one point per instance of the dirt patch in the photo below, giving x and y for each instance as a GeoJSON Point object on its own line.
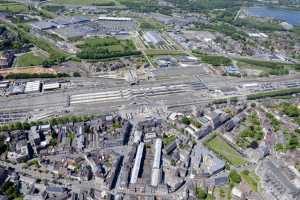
{"type": "Point", "coordinates": [27, 70]}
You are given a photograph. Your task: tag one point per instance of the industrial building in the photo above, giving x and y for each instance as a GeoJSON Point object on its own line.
{"type": "Point", "coordinates": [166, 61]}
{"type": "Point", "coordinates": [59, 22]}
{"type": "Point", "coordinates": [157, 155]}
{"type": "Point", "coordinates": [64, 21]}
{"type": "Point", "coordinates": [122, 19]}
{"type": "Point", "coordinates": [81, 26]}
{"type": "Point", "coordinates": [137, 163]}
{"type": "Point", "coordinates": [156, 171]}
{"type": "Point", "coordinates": [51, 86]}
{"type": "Point", "coordinates": [43, 25]}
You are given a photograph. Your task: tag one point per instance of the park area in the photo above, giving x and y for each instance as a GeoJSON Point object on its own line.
{"type": "Point", "coordinates": [225, 151]}
{"type": "Point", "coordinates": [30, 59]}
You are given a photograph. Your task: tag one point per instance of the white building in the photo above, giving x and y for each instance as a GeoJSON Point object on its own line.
{"type": "Point", "coordinates": [32, 86]}
{"type": "Point", "coordinates": [51, 86]}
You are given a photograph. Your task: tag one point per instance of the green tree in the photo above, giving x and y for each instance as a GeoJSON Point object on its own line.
{"type": "Point", "coordinates": [201, 193]}
{"type": "Point", "coordinates": [186, 120]}
{"type": "Point", "coordinates": [76, 74]}
{"type": "Point", "coordinates": [293, 142]}
{"type": "Point", "coordinates": [234, 177]}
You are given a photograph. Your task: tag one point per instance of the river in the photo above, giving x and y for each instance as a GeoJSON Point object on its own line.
{"type": "Point", "coordinates": [287, 15]}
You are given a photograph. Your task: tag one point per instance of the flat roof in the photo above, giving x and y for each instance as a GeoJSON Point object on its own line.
{"type": "Point", "coordinates": [32, 86]}
{"type": "Point", "coordinates": [43, 25]}
{"type": "Point", "coordinates": [115, 18]}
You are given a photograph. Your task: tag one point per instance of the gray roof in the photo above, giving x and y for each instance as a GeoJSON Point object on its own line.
{"type": "Point", "coordinates": [171, 147]}
{"type": "Point", "coordinates": [54, 189]}
{"type": "Point", "coordinates": [137, 163]}
{"type": "Point", "coordinates": [157, 155]}
{"type": "Point", "coordinates": [43, 25]}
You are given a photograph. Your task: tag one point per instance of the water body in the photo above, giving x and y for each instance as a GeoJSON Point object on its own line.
{"type": "Point", "coordinates": [287, 15]}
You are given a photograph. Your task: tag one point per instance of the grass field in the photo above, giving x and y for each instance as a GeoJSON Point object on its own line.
{"type": "Point", "coordinates": [251, 179]}
{"type": "Point", "coordinates": [149, 23]}
{"type": "Point", "coordinates": [269, 67]}
{"type": "Point", "coordinates": [108, 47]}
{"type": "Point", "coordinates": [86, 2]}
{"type": "Point", "coordinates": [12, 7]}
{"type": "Point", "coordinates": [30, 59]}
{"type": "Point", "coordinates": [220, 147]}
{"type": "Point", "coordinates": [160, 52]}
{"type": "Point", "coordinates": [168, 140]}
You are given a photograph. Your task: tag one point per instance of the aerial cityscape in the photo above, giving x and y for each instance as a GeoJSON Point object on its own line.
{"type": "Point", "coordinates": [149, 100]}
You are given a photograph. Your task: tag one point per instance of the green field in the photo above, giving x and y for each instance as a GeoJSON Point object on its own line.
{"type": "Point", "coordinates": [268, 67]}
{"type": "Point", "coordinates": [161, 52]}
{"type": "Point", "coordinates": [220, 147]}
{"type": "Point", "coordinates": [275, 93]}
{"type": "Point", "coordinates": [169, 139]}
{"type": "Point", "coordinates": [149, 23]}
{"type": "Point", "coordinates": [30, 59]}
{"type": "Point", "coordinates": [251, 179]}
{"type": "Point", "coordinates": [108, 47]}
{"type": "Point", "coordinates": [12, 7]}
{"type": "Point", "coordinates": [86, 2]}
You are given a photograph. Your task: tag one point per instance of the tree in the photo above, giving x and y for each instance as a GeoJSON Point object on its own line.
{"type": "Point", "coordinates": [26, 126]}
{"type": "Point", "coordinates": [186, 120]}
{"type": "Point", "coordinates": [201, 193]}
{"type": "Point", "coordinates": [293, 142]}
{"type": "Point", "coordinates": [173, 162]}
{"type": "Point", "coordinates": [234, 177]}
{"type": "Point", "coordinates": [253, 105]}
{"type": "Point", "coordinates": [76, 74]}
{"type": "Point", "coordinates": [19, 126]}
{"type": "Point", "coordinates": [3, 147]}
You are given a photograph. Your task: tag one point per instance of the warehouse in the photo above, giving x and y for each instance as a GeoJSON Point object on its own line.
{"type": "Point", "coordinates": [43, 25]}
{"type": "Point", "coordinates": [64, 21]}
{"type": "Point", "coordinates": [74, 31]}
{"type": "Point", "coordinates": [51, 86]}
{"type": "Point", "coordinates": [103, 26]}
{"type": "Point", "coordinates": [33, 86]}
{"type": "Point", "coordinates": [115, 18]}
{"type": "Point", "coordinates": [59, 22]}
